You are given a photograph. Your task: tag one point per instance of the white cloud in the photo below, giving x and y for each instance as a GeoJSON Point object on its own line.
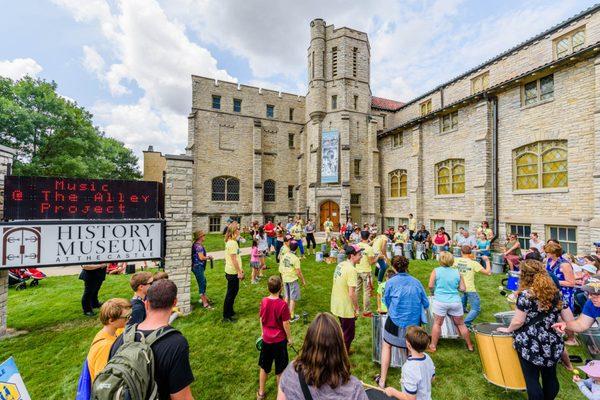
{"type": "Point", "coordinates": [152, 53]}
{"type": "Point", "coordinates": [19, 67]}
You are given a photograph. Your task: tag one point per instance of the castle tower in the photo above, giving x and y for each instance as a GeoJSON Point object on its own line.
{"type": "Point", "coordinates": [337, 151]}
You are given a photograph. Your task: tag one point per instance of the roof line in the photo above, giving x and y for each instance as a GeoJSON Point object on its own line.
{"type": "Point", "coordinates": [248, 86]}
{"type": "Point", "coordinates": [560, 25]}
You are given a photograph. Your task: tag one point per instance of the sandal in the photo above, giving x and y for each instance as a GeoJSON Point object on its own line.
{"type": "Point", "coordinates": [260, 396]}
{"type": "Point", "coordinates": [377, 378]}
{"type": "Point", "coordinates": [208, 307]}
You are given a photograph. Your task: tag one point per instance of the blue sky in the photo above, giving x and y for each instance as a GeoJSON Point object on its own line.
{"type": "Point", "coordinates": [129, 61]}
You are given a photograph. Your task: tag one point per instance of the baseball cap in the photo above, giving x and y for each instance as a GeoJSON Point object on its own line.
{"type": "Point", "coordinates": [592, 369]}
{"type": "Point", "coordinates": [593, 286]}
{"type": "Point", "coordinates": [352, 249]}
{"type": "Point", "coordinates": [589, 268]}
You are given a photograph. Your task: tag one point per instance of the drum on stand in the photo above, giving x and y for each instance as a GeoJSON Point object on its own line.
{"type": "Point", "coordinates": [319, 256]}
{"type": "Point", "coordinates": [513, 280]}
{"type": "Point", "coordinates": [399, 356]}
{"type": "Point", "coordinates": [449, 330]}
{"type": "Point", "coordinates": [456, 251]}
{"type": "Point", "coordinates": [497, 263]}
{"type": "Point", "coordinates": [498, 357]}
{"type": "Point", "coordinates": [421, 249]}
{"type": "Point", "coordinates": [504, 317]}
{"type": "Point", "coordinates": [591, 341]}
{"type": "Point", "coordinates": [389, 250]}
{"type": "Point", "coordinates": [398, 251]}
{"type": "Point", "coordinates": [408, 249]}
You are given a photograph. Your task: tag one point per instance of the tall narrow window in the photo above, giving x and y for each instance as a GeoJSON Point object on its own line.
{"type": "Point", "coordinates": [214, 224]}
{"type": "Point", "coordinates": [269, 190]}
{"type": "Point", "coordinates": [354, 61]}
{"type": "Point", "coordinates": [541, 165]}
{"type": "Point", "coordinates": [216, 102]}
{"type": "Point", "coordinates": [383, 120]}
{"type": "Point", "coordinates": [334, 62]}
{"type": "Point", "coordinates": [398, 183]}
{"type": "Point", "coordinates": [355, 102]}
{"type": "Point", "coordinates": [291, 140]}
{"type": "Point", "coordinates": [334, 102]}
{"type": "Point", "coordinates": [397, 139]}
{"type": "Point", "coordinates": [270, 111]}
{"type": "Point", "coordinates": [313, 64]}
{"type": "Point", "coordinates": [450, 177]}
{"type": "Point", "coordinates": [425, 107]}
{"type": "Point", "coordinates": [237, 105]}
{"type": "Point", "coordinates": [291, 114]}
{"type": "Point", "coordinates": [356, 167]}
{"type": "Point", "coordinates": [290, 192]}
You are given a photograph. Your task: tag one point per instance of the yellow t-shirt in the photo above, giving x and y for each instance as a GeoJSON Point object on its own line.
{"type": "Point", "coordinates": [364, 265]}
{"type": "Point", "coordinates": [232, 249]}
{"type": "Point", "coordinates": [99, 351]}
{"type": "Point", "coordinates": [288, 265]}
{"type": "Point", "coordinates": [380, 292]}
{"type": "Point", "coordinates": [283, 251]}
{"type": "Point", "coordinates": [378, 242]}
{"type": "Point", "coordinates": [401, 237]}
{"type": "Point", "coordinates": [328, 225]}
{"type": "Point", "coordinates": [412, 224]}
{"type": "Point", "coordinates": [344, 277]}
{"type": "Point", "coordinates": [467, 269]}
{"type": "Point", "coordinates": [296, 231]}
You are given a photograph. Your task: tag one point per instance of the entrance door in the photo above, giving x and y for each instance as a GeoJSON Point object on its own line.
{"type": "Point", "coordinates": [331, 210]}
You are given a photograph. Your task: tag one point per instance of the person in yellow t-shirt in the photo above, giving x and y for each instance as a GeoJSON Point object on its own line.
{"type": "Point", "coordinates": [113, 315]}
{"type": "Point", "coordinates": [380, 250]}
{"type": "Point", "coordinates": [467, 267]}
{"type": "Point", "coordinates": [363, 269]}
{"type": "Point", "coordinates": [328, 226]}
{"type": "Point", "coordinates": [233, 271]}
{"type": "Point", "coordinates": [344, 302]}
{"type": "Point", "coordinates": [297, 232]}
{"type": "Point", "coordinates": [412, 225]}
{"type": "Point", "coordinates": [400, 238]}
{"type": "Point", "coordinates": [289, 268]}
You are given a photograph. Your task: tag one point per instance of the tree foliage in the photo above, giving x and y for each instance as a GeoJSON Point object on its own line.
{"type": "Point", "coordinates": [55, 137]}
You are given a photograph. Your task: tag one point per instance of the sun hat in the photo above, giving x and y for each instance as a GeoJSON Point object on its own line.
{"type": "Point", "coordinates": [592, 369]}
{"type": "Point", "coordinates": [589, 268]}
{"type": "Point", "coordinates": [352, 249]}
{"type": "Point", "coordinates": [593, 286]}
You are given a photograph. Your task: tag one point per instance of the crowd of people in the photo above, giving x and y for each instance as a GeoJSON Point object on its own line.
{"type": "Point", "coordinates": [554, 288]}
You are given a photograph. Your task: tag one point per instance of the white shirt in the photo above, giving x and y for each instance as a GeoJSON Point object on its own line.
{"type": "Point", "coordinates": [417, 374]}
{"type": "Point", "coordinates": [467, 241]}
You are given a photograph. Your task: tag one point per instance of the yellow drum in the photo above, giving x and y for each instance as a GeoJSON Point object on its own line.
{"type": "Point", "coordinates": [498, 358]}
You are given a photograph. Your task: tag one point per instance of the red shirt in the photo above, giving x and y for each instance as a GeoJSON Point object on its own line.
{"type": "Point", "coordinates": [273, 312]}
{"type": "Point", "coordinates": [270, 229]}
{"type": "Point", "coordinates": [439, 239]}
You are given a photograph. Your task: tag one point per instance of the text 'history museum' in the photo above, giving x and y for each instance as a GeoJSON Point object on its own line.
{"type": "Point", "coordinates": [515, 141]}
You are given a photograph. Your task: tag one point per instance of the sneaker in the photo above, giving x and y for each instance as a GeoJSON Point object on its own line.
{"type": "Point", "coordinates": [89, 314]}
{"type": "Point", "coordinates": [367, 314]}
{"type": "Point", "coordinates": [295, 318]}
{"type": "Point", "coordinates": [254, 282]}
{"type": "Point", "coordinates": [229, 320]}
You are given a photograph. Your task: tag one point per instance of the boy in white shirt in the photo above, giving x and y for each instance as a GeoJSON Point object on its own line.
{"type": "Point", "coordinates": [418, 371]}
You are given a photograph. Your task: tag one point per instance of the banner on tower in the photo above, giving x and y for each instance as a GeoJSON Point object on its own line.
{"type": "Point", "coordinates": [330, 157]}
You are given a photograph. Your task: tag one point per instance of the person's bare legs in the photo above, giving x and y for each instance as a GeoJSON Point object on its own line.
{"type": "Point", "coordinates": [436, 331]}
{"type": "Point", "coordinates": [386, 356]}
{"type": "Point", "coordinates": [292, 304]}
{"type": "Point", "coordinates": [262, 381]}
{"type": "Point", "coordinates": [459, 322]}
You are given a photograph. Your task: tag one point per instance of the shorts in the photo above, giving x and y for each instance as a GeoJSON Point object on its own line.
{"type": "Point", "coordinates": [274, 352]}
{"type": "Point", "coordinates": [255, 265]}
{"type": "Point", "coordinates": [393, 334]}
{"type": "Point", "coordinates": [291, 290]}
{"type": "Point", "coordinates": [443, 309]}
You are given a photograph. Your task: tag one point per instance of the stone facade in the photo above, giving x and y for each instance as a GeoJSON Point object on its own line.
{"type": "Point", "coordinates": [493, 122]}
{"type": "Point", "coordinates": [6, 159]}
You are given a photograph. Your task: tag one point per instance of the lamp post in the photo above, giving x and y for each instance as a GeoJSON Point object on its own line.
{"type": "Point", "coordinates": [307, 213]}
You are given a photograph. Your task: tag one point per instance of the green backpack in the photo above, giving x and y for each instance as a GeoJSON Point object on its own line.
{"type": "Point", "coordinates": [129, 374]}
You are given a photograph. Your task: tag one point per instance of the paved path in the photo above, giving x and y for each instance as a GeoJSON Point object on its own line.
{"type": "Point", "coordinates": [217, 255]}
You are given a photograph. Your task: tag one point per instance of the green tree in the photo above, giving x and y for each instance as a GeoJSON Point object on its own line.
{"type": "Point", "coordinates": [56, 137]}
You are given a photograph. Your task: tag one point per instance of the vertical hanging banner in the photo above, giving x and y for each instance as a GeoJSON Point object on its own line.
{"type": "Point", "coordinates": [330, 157]}
{"type": "Point", "coordinates": [11, 383]}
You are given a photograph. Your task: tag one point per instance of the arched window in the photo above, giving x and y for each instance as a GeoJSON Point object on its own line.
{"type": "Point", "coordinates": [541, 165]}
{"type": "Point", "coordinates": [269, 190]}
{"type": "Point", "coordinates": [398, 183]}
{"type": "Point", "coordinates": [450, 177]}
{"type": "Point", "coordinates": [225, 188]}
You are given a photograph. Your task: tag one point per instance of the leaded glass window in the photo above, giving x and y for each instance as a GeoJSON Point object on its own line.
{"type": "Point", "coordinates": [450, 121]}
{"type": "Point", "coordinates": [542, 89]}
{"type": "Point", "coordinates": [541, 165]}
{"type": "Point", "coordinates": [398, 183]}
{"type": "Point", "coordinates": [450, 177]}
{"type": "Point", "coordinates": [570, 43]}
{"type": "Point", "coordinates": [269, 190]}
{"type": "Point", "coordinates": [225, 189]}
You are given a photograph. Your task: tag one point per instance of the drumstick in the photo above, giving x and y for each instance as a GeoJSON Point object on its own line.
{"type": "Point", "coordinates": [372, 387]}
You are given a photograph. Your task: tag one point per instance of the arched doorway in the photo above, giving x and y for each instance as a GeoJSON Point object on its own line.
{"type": "Point", "coordinates": [330, 209]}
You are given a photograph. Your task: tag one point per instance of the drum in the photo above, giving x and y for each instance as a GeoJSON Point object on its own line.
{"type": "Point", "coordinates": [421, 249]}
{"type": "Point", "coordinates": [504, 317]}
{"type": "Point", "coordinates": [398, 250]}
{"type": "Point", "coordinates": [408, 250]}
{"type": "Point", "coordinates": [449, 330]}
{"type": "Point", "coordinates": [389, 250]}
{"type": "Point", "coordinates": [334, 253]}
{"type": "Point", "coordinates": [341, 257]}
{"type": "Point", "coordinates": [513, 280]}
{"type": "Point", "coordinates": [398, 355]}
{"type": "Point", "coordinates": [498, 358]}
{"type": "Point", "coordinates": [374, 394]}
{"type": "Point", "coordinates": [497, 263]}
{"type": "Point", "coordinates": [323, 248]}
{"type": "Point", "coordinates": [319, 256]}
{"type": "Point", "coordinates": [456, 251]}
{"type": "Point", "coordinates": [512, 301]}
{"type": "Point", "coordinates": [591, 341]}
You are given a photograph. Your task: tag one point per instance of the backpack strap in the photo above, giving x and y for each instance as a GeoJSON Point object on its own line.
{"type": "Point", "coordinates": [129, 334]}
{"type": "Point", "coordinates": [304, 386]}
{"type": "Point", "coordinates": [158, 334]}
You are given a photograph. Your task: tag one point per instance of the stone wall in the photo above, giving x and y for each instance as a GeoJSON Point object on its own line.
{"type": "Point", "coordinates": [178, 215]}
{"type": "Point", "coordinates": [6, 158]}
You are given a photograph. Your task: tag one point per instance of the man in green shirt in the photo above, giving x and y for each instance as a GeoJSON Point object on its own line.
{"type": "Point", "coordinates": [467, 268]}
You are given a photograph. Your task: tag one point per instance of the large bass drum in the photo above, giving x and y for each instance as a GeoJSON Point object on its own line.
{"type": "Point", "coordinates": [449, 330]}
{"type": "Point", "coordinates": [498, 357]}
{"type": "Point", "coordinates": [398, 355]}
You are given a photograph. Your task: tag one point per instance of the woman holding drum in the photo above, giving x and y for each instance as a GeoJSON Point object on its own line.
{"type": "Point", "coordinates": [440, 241]}
{"type": "Point", "coordinates": [538, 346]}
{"type": "Point", "coordinates": [445, 283]}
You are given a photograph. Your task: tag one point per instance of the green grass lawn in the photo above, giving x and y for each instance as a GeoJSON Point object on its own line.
{"type": "Point", "coordinates": [223, 356]}
{"type": "Point", "coordinates": [215, 242]}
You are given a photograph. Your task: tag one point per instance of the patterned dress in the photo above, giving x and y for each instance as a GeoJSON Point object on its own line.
{"type": "Point", "coordinates": [536, 341]}
{"type": "Point", "coordinates": [567, 292]}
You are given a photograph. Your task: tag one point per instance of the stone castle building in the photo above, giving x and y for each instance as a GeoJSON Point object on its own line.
{"type": "Point", "coordinates": [515, 141]}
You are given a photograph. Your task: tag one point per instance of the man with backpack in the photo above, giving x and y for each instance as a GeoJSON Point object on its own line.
{"type": "Point", "coordinates": [128, 369]}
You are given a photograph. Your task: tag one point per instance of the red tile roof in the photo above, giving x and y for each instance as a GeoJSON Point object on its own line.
{"type": "Point", "coordinates": [385, 104]}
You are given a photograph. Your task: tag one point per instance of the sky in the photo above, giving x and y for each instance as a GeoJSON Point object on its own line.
{"type": "Point", "coordinates": [129, 62]}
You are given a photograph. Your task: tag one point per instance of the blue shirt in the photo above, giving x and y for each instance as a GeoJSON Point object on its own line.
{"type": "Point", "coordinates": [405, 297]}
{"type": "Point", "coordinates": [591, 310]}
{"type": "Point", "coordinates": [198, 249]}
{"type": "Point", "coordinates": [447, 281]}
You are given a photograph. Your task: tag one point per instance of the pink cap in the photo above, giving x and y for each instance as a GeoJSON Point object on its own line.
{"type": "Point", "coordinates": [592, 369]}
